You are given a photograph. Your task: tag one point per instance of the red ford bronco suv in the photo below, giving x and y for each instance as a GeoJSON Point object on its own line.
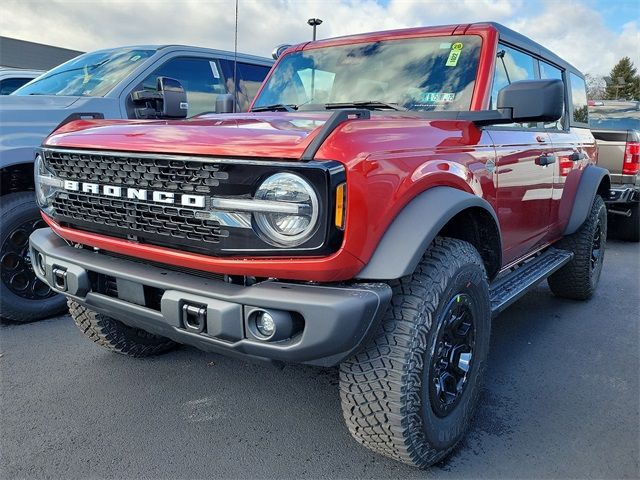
{"type": "Point", "coordinates": [385, 197]}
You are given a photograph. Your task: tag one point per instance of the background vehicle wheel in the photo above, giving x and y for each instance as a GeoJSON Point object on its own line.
{"type": "Point", "coordinates": [626, 228]}
{"type": "Point", "coordinates": [411, 393]}
{"type": "Point", "coordinates": [23, 297]}
{"type": "Point", "coordinates": [578, 278]}
{"type": "Point", "coordinates": [116, 336]}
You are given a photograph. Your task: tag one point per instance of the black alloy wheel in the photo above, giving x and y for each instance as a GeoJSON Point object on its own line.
{"type": "Point", "coordinates": [16, 264]}
{"type": "Point", "coordinates": [452, 358]}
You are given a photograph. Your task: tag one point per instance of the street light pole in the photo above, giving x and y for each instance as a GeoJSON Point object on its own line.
{"type": "Point", "coordinates": [314, 22]}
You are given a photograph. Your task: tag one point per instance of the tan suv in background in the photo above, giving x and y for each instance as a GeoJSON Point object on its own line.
{"type": "Point", "coordinates": [616, 126]}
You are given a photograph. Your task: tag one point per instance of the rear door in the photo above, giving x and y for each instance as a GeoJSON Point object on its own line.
{"type": "Point", "coordinates": [524, 169]}
{"type": "Point", "coordinates": [573, 146]}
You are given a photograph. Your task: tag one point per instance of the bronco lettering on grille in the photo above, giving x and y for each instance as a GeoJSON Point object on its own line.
{"type": "Point", "coordinates": [195, 201]}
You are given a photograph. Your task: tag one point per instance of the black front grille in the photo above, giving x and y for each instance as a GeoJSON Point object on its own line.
{"type": "Point", "coordinates": [172, 175]}
{"type": "Point", "coordinates": [139, 219]}
{"type": "Point", "coordinates": [192, 228]}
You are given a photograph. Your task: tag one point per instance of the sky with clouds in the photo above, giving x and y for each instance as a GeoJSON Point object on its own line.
{"type": "Point", "coordinates": [591, 34]}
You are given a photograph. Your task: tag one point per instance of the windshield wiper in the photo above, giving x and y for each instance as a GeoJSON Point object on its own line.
{"type": "Point", "coordinates": [276, 107]}
{"type": "Point", "coordinates": [372, 104]}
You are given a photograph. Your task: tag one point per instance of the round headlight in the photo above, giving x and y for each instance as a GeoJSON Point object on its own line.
{"type": "Point", "coordinates": [296, 221]}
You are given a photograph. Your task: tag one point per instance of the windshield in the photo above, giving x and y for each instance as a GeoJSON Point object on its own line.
{"type": "Point", "coordinates": [615, 117]}
{"type": "Point", "coordinates": [89, 75]}
{"type": "Point", "coordinates": [436, 73]}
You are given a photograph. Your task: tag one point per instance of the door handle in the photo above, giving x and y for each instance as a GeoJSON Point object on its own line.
{"type": "Point", "coordinates": [576, 156]}
{"type": "Point", "coordinates": [545, 160]}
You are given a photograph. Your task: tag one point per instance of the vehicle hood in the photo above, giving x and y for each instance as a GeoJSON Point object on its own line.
{"type": "Point", "coordinates": [276, 135]}
{"type": "Point", "coordinates": [25, 121]}
{"type": "Point", "coordinates": [18, 103]}
{"type": "Point", "coordinates": [247, 135]}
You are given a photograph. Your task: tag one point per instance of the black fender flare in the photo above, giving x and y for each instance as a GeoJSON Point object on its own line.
{"type": "Point", "coordinates": [415, 227]}
{"type": "Point", "coordinates": [590, 181]}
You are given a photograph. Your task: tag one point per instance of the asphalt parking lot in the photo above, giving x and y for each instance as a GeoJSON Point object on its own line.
{"type": "Point", "coordinates": [561, 400]}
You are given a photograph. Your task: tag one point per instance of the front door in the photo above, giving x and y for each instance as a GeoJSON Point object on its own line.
{"type": "Point", "coordinates": [524, 174]}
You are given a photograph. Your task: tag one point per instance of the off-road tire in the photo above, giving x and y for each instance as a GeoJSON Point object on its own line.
{"type": "Point", "coordinates": [384, 388]}
{"type": "Point", "coordinates": [577, 280]}
{"type": "Point", "coordinates": [116, 336]}
{"type": "Point", "coordinates": [19, 214]}
{"type": "Point", "coordinates": [626, 228]}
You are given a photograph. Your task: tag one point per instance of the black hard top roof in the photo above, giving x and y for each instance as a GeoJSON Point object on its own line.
{"type": "Point", "coordinates": [518, 40]}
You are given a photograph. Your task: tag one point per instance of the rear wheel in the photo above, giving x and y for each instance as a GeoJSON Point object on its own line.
{"type": "Point", "coordinates": [23, 297]}
{"type": "Point", "coordinates": [116, 336]}
{"type": "Point", "coordinates": [411, 393]}
{"type": "Point", "coordinates": [578, 278]}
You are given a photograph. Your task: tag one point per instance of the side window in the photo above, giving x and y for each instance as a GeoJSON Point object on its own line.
{"type": "Point", "coordinates": [550, 72]}
{"type": "Point", "coordinates": [8, 85]}
{"type": "Point", "coordinates": [250, 78]}
{"type": "Point", "coordinates": [511, 66]}
{"type": "Point", "coordinates": [200, 78]}
{"type": "Point", "coordinates": [579, 99]}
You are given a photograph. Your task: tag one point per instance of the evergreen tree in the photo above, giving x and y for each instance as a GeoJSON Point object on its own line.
{"type": "Point", "coordinates": [624, 83]}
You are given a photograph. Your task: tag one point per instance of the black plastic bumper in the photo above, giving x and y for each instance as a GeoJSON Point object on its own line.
{"type": "Point", "coordinates": [624, 194]}
{"type": "Point", "coordinates": [331, 321]}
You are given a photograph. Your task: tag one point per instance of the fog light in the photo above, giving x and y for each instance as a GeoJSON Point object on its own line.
{"type": "Point", "coordinates": [265, 324]}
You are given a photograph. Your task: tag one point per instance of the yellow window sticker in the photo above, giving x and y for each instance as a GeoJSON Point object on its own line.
{"type": "Point", "coordinates": [454, 54]}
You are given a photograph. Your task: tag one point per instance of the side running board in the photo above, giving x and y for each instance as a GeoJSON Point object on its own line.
{"type": "Point", "coordinates": [509, 287]}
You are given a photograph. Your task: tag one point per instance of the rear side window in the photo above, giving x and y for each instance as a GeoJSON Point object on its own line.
{"type": "Point", "coordinates": [200, 78]}
{"type": "Point", "coordinates": [550, 72]}
{"type": "Point", "coordinates": [250, 78]}
{"type": "Point", "coordinates": [579, 99]}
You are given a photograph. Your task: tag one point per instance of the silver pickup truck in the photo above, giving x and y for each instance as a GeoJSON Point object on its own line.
{"type": "Point", "coordinates": [114, 83]}
{"type": "Point", "coordinates": [616, 126]}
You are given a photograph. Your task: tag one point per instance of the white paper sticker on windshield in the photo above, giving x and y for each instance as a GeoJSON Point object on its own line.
{"type": "Point", "coordinates": [445, 45]}
{"type": "Point", "coordinates": [214, 69]}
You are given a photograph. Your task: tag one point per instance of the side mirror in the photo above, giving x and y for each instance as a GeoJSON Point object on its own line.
{"type": "Point", "coordinates": [279, 50]}
{"type": "Point", "coordinates": [532, 100]}
{"type": "Point", "coordinates": [174, 98]}
{"type": "Point", "coordinates": [225, 103]}
{"type": "Point", "coordinates": [169, 100]}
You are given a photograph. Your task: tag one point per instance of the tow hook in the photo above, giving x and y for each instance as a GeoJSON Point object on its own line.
{"type": "Point", "coordinates": [60, 278]}
{"type": "Point", "coordinates": [194, 317]}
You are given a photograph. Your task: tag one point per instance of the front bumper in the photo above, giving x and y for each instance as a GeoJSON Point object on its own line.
{"type": "Point", "coordinates": [330, 321]}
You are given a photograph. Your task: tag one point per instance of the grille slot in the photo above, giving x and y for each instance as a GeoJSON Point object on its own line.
{"type": "Point", "coordinates": [138, 218]}
{"type": "Point", "coordinates": [173, 175]}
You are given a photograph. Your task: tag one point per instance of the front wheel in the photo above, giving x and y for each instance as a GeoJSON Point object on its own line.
{"type": "Point", "coordinates": [411, 393]}
{"type": "Point", "coordinates": [115, 335]}
{"type": "Point", "coordinates": [23, 297]}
